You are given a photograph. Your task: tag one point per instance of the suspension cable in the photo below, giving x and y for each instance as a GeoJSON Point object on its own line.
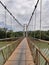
{"type": "Point", "coordinates": [33, 12]}
{"type": "Point", "coordinates": [11, 14]}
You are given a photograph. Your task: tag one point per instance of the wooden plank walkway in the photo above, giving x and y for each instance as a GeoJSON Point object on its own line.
{"type": "Point", "coordinates": [21, 55]}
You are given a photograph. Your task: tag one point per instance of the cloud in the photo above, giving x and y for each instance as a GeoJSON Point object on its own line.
{"type": "Point", "coordinates": [22, 10]}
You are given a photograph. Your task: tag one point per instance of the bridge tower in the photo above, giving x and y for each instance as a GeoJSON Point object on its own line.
{"type": "Point", "coordinates": [25, 30]}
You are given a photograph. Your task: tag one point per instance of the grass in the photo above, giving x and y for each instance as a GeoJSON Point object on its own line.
{"type": "Point", "coordinates": [3, 43]}
{"type": "Point", "coordinates": [41, 44]}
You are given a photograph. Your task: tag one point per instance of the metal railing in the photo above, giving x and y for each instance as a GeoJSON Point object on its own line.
{"type": "Point", "coordinates": [38, 57]}
{"type": "Point", "coordinates": [7, 50]}
{"type": "Point", "coordinates": [10, 39]}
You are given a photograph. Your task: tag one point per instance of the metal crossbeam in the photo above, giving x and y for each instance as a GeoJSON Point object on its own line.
{"type": "Point", "coordinates": [10, 13]}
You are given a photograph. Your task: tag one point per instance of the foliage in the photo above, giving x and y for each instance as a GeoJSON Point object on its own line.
{"type": "Point", "coordinates": [44, 34]}
{"type": "Point", "coordinates": [4, 33]}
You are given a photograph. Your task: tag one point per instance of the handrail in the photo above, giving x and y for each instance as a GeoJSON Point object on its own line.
{"type": "Point", "coordinates": [10, 39]}
{"type": "Point", "coordinates": [7, 50]}
{"type": "Point", "coordinates": [37, 53]}
{"type": "Point", "coordinates": [6, 46]}
{"type": "Point", "coordinates": [42, 54]}
{"type": "Point", "coordinates": [40, 40]}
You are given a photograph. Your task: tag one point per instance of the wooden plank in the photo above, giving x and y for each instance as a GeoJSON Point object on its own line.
{"type": "Point", "coordinates": [21, 55]}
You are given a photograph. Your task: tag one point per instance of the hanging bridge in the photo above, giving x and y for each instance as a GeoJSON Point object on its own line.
{"type": "Point", "coordinates": [18, 47]}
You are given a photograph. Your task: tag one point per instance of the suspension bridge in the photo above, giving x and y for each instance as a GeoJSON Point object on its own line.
{"type": "Point", "coordinates": [19, 48]}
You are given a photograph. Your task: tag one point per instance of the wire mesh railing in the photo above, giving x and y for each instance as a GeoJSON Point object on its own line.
{"type": "Point", "coordinates": [42, 45]}
{"type": "Point", "coordinates": [39, 57]}
{"type": "Point", "coordinates": [7, 50]}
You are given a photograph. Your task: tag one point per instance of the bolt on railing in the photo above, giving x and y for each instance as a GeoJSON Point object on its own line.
{"type": "Point", "coordinates": [38, 57]}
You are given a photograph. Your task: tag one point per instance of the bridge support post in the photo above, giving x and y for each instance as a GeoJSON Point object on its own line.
{"type": "Point", "coordinates": [25, 30]}
{"type": "Point", "coordinates": [37, 60]}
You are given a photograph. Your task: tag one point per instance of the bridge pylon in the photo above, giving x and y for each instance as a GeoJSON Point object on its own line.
{"type": "Point", "coordinates": [25, 30]}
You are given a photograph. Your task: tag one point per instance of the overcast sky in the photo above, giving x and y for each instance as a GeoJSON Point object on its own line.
{"type": "Point", "coordinates": [22, 10]}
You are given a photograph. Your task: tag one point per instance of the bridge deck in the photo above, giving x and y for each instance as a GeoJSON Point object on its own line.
{"type": "Point", "coordinates": [21, 55]}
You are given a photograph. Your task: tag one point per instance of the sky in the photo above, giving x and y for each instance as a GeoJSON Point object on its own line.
{"type": "Point", "coordinates": [22, 10]}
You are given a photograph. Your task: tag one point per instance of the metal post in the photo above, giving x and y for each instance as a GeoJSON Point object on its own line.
{"type": "Point", "coordinates": [32, 26]}
{"type": "Point", "coordinates": [11, 25]}
{"type": "Point", "coordinates": [40, 16]}
{"type": "Point", "coordinates": [3, 56]}
{"type": "Point", "coordinates": [5, 25]}
{"type": "Point", "coordinates": [11, 22]}
{"type": "Point", "coordinates": [37, 57]}
{"type": "Point", "coordinates": [35, 24]}
{"type": "Point", "coordinates": [24, 30]}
